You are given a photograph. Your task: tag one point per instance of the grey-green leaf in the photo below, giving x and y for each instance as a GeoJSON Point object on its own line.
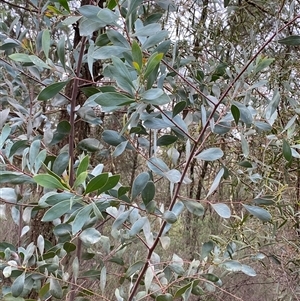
{"type": "Point", "coordinates": [222, 209]}
{"type": "Point", "coordinates": [194, 207]}
{"type": "Point", "coordinates": [139, 184]}
{"type": "Point", "coordinates": [18, 285]}
{"type": "Point", "coordinates": [258, 212]}
{"type": "Point", "coordinates": [90, 236]}
{"type": "Point", "coordinates": [210, 154]}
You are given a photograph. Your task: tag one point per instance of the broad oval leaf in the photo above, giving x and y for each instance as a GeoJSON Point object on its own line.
{"type": "Point", "coordinates": [51, 90]}
{"type": "Point", "coordinates": [57, 211]}
{"type": "Point", "coordinates": [287, 152]}
{"type": "Point", "coordinates": [55, 288]}
{"type": "Point", "coordinates": [113, 99]}
{"type": "Point", "coordinates": [169, 217]}
{"type": "Point", "coordinates": [18, 285]}
{"type": "Point", "coordinates": [194, 207]}
{"type": "Point", "coordinates": [210, 154]}
{"type": "Point", "coordinates": [148, 192]}
{"type": "Point", "coordinates": [164, 297]}
{"type": "Point", "coordinates": [90, 236]}
{"type": "Point", "coordinates": [139, 184]}
{"type": "Point", "coordinates": [232, 266]}
{"type": "Point", "coordinates": [258, 212]}
{"type": "Point", "coordinates": [222, 209]}
{"type": "Point", "coordinates": [90, 145]}
{"type": "Point", "coordinates": [48, 181]}
{"type": "Point", "coordinates": [248, 270]}
{"type": "Point", "coordinates": [96, 183]}
{"type": "Point", "coordinates": [235, 113]}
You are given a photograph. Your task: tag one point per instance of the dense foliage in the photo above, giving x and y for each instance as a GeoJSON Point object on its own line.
{"type": "Point", "coordinates": [148, 149]}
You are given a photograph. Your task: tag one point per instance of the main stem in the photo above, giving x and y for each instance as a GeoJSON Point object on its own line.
{"type": "Point", "coordinates": [71, 144]}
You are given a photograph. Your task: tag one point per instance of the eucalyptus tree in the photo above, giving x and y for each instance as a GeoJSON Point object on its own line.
{"type": "Point", "coordinates": [182, 96]}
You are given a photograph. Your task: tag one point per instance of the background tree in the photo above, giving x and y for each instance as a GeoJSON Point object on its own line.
{"type": "Point", "coordinates": [149, 142]}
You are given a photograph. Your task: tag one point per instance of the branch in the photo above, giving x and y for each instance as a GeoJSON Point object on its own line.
{"type": "Point", "coordinates": [20, 7]}
{"type": "Point", "coordinates": [193, 151]}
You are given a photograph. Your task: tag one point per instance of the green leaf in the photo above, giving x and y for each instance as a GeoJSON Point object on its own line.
{"type": "Point", "coordinates": [38, 62]}
{"type": "Point", "coordinates": [222, 209]}
{"type": "Point", "coordinates": [264, 200]}
{"type": "Point", "coordinates": [194, 207]}
{"type": "Point", "coordinates": [111, 4]}
{"type": "Point", "coordinates": [96, 183]}
{"type": "Point", "coordinates": [179, 107]}
{"type": "Point", "coordinates": [134, 268]}
{"type": "Point", "coordinates": [80, 179]}
{"type": "Point", "coordinates": [57, 211]}
{"type": "Point", "coordinates": [246, 164]}
{"type": "Point", "coordinates": [211, 277]}
{"type": "Point", "coordinates": [122, 75]}
{"type": "Point", "coordinates": [51, 90]}
{"type": "Point", "coordinates": [69, 247]}
{"type": "Point", "coordinates": [286, 149]}
{"type": "Point", "coordinates": [235, 113]}
{"type": "Point", "coordinates": [166, 140]}
{"type": "Point", "coordinates": [153, 62]}
{"type": "Point", "coordinates": [139, 184]}
{"type": "Point", "coordinates": [48, 181]}
{"type": "Point", "coordinates": [210, 154]}
{"type": "Point", "coordinates": [43, 291]}
{"type": "Point", "coordinates": [245, 146]}
{"type": "Point", "coordinates": [148, 192]}
{"type": "Point", "coordinates": [14, 178]}
{"type": "Point", "coordinates": [20, 57]}
{"type": "Point", "coordinates": [164, 297]}
{"type": "Point", "coordinates": [292, 40]}
{"type": "Point", "coordinates": [55, 288]}
{"type": "Point", "coordinates": [61, 51]}
{"type": "Point", "coordinates": [226, 3]}
{"type": "Point", "coordinates": [46, 42]}
{"type": "Point", "coordinates": [90, 236]}
{"type": "Point", "coordinates": [114, 138]}
{"type": "Point", "coordinates": [18, 285]}
{"type": "Point", "coordinates": [137, 54]}
{"type": "Point", "coordinates": [182, 290]}
{"type": "Point", "coordinates": [111, 183]}
{"type": "Point", "coordinates": [113, 99]}
{"type": "Point", "coordinates": [60, 163]}
{"type": "Point", "coordinates": [264, 63]}
{"type": "Point", "coordinates": [133, 4]}
{"type": "Point", "coordinates": [258, 212]}
{"type": "Point", "coordinates": [83, 165]}
{"type": "Point", "coordinates": [64, 4]}
{"type": "Point", "coordinates": [81, 218]}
